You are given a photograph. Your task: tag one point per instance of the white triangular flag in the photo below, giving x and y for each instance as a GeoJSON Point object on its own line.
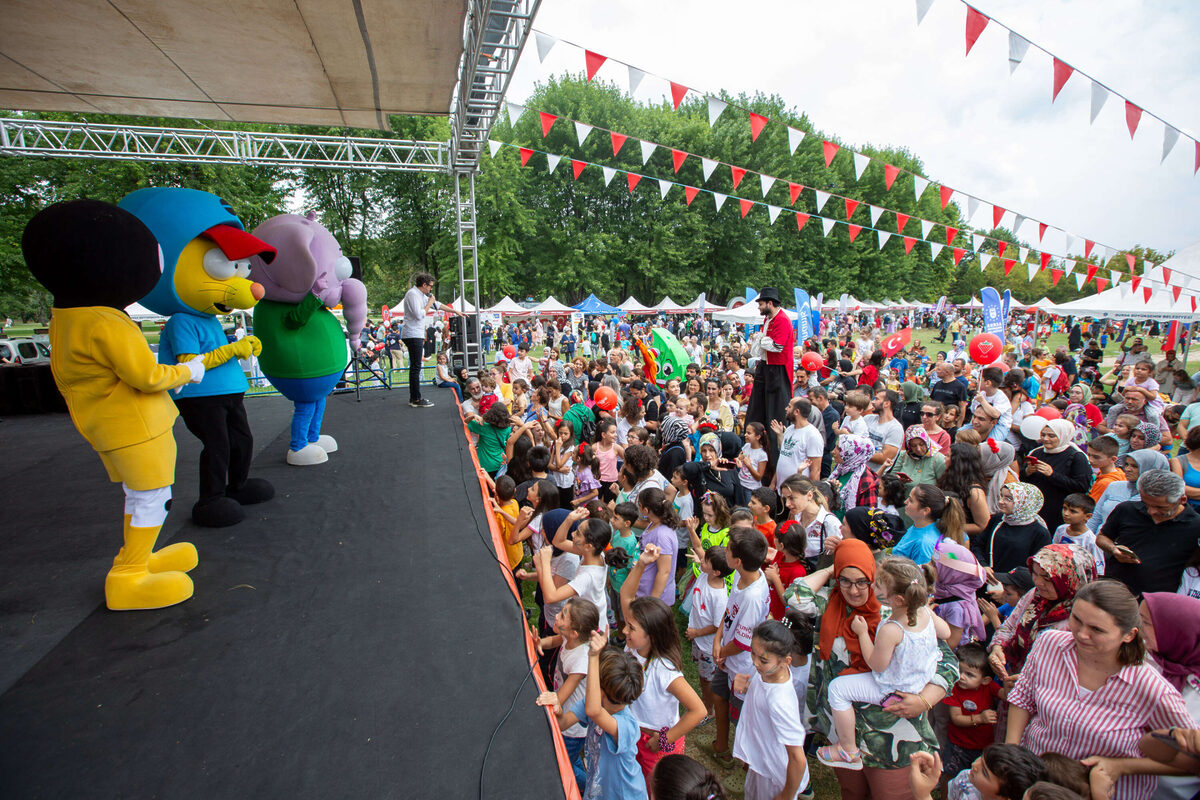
{"type": "Point", "coordinates": [935, 250]}
{"type": "Point", "coordinates": [922, 9]}
{"type": "Point", "coordinates": [1147, 266]}
{"type": "Point", "coordinates": [972, 207]}
{"type": "Point", "coordinates": [1099, 96]}
{"type": "Point", "coordinates": [1125, 290]}
{"type": "Point", "coordinates": [1017, 47]}
{"type": "Point", "coordinates": [977, 241]}
{"type": "Point", "coordinates": [767, 182]}
{"type": "Point", "coordinates": [1115, 276]}
{"type": "Point", "coordinates": [515, 110]}
{"type": "Point", "coordinates": [494, 146]}
{"type": "Point", "coordinates": [553, 159]}
{"type": "Point", "coordinates": [1105, 252]}
{"type": "Point", "coordinates": [984, 260]}
{"type": "Point", "coordinates": [1070, 241]}
{"type": "Point", "coordinates": [720, 199]}
{"type": "Point", "coordinates": [822, 198]}
{"type": "Point", "coordinates": [663, 188]}
{"type": "Point", "coordinates": [1033, 270]}
{"type": "Point", "coordinates": [609, 174]}
{"type": "Point", "coordinates": [926, 227]}
{"type": "Point", "coordinates": [919, 185]}
{"type": "Point", "coordinates": [861, 163]}
{"type": "Point", "coordinates": [582, 131]}
{"type": "Point", "coordinates": [1079, 279]}
{"type": "Point", "coordinates": [1018, 223]}
{"type": "Point", "coordinates": [795, 137]}
{"type": "Point", "coordinates": [715, 107]}
{"type": "Point", "coordinates": [545, 42]}
{"type": "Point", "coordinates": [828, 224]}
{"type": "Point", "coordinates": [773, 211]}
{"type": "Point", "coordinates": [883, 238]}
{"type": "Point", "coordinates": [1069, 266]}
{"type": "Point", "coordinates": [648, 149]}
{"type": "Point", "coordinates": [635, 79]}
{"type": "Point", "coordinates": [876, 213]}
{"type": "Point", "coordinates": [1024, 254]}
{"type": "Point", "coordinates": [708, 165]}
{"type": "Point", "coordinates": [1170, 137]}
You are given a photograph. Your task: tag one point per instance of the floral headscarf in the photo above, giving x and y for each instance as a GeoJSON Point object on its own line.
{"type": "Point", "coordinates": [878, 529]}
{"type": "Point", "coordinates": [1027, 502]}
{"type": "Point", "coordinates": [856, 452]}
{"type": "Point", "coordinates": [995, 457]}
{"type": "Point", "coordinates": [672, 429]}
{"type": "Point", "coordinates": [958, 576]}
{"type": "Point", "coordinates": [1176, 620]}
{"type": "Point", "coordinates": [916, 432]}
{"type": "Point", "coordinates": [1152, 433]}
{"type": "Point", "coordinates": [1069, 567]}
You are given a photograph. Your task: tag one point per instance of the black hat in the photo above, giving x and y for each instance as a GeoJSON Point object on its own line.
{"type": "Point", "coordinates": [769, 293]}
{"type": "Point", "coordinates": [1019, 578]}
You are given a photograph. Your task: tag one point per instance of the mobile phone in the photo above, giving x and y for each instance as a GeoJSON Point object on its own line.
{"type": "Point", "coordinates": [1033, 460]}
{"type": "Point", "coordinates": [1169, 741]}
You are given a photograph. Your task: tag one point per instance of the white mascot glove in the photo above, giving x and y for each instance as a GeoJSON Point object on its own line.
{"type": "Point", "coordinates": [196, 367]}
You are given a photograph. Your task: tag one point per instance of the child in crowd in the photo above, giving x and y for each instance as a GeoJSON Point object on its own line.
{"type": "Point", "coordinates": [614, 681]}
{"type": "Point", "coordinates": [623, 538]}
{"type": "Point", "coordinates": [709, 596]}
{"type": "Point", "coordinates": [934, 514]}
{"type": "Point", "coordinates": [712, 532]}
{"type": "Point", "coordinates": [749, 604]}
{"type": "Point", "coordinates": [653, 639]}
{"type": "Point", "coordinates": [856, 405]}
{"type": "Point", "coordinates": [562, 462]}
{"type": "Point", "coordinates": [1077, 510]}
{"type": "Point", "coordinates": [802, 631]}
{"type": "Point", "coordinates": [587, 476]}
{"type": "Point", "coordinates": [787, 565]}
{"type": "Point", "coordinates": [505, 507]}
{"type": "Point", "coordinates": [902, 658]}
{"type": "Point", "coordinates": [520, 398]}
{"type": "Point", "coordinates": [1123, 427]}
{"type": "Point", "coordinates": [572, 628]}
{"type": "Point", "coordinates": [972, 704]}
{"type": "Point", "coordinates": [770, 734]}
{"type": "Point", "coordinates": [807, 507]}
{"type": "Point", "coordinates": [892, 494]}
{"type": "Point", "coordinates": [659, 579]}
{"type": "Point", "coordinates": [589, 541]}
{"type": "Point", "coordinates": [752, 461]}
{"type": "Point", "coordinates": [1102, 455]}
{"type": "Point", "coordinates": [608, 452]}
{"type": "Point", "coordinates": [762, 504]}
{"type": "Point", "coordinates": [637, 435]}
{"type": "Point", "coordinates": [1003, 772]}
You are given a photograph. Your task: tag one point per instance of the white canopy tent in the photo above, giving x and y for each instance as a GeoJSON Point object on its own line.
{"type": "Point", "coordinates": [509, 308]}
{"type": "Point", "coordinates": [669, 306]}
{"type": "Point", "coordinates": [746, 314]}
{"type": "Point", "coordinates": [139, 313]}
{"type": "Point", "coordinates": [1120, 302]}
{"type": "Point", "coordinates": [550, 306]}
{"type": "Point", "coordinates": [709, 306]}
{"type": "Point", "coordinates": [462, 306]}
{"type": "Point", "coordinates": [631, 306]}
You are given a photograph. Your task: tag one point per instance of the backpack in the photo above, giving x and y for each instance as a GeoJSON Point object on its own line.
{"type": "Point", "coordinates": [1061, 382]}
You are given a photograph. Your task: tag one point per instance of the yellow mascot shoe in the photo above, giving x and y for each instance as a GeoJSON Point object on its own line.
{"type": "Point", "coordinates": [131, 585]}
{"type": "Point", "coordinates": [178, 557]}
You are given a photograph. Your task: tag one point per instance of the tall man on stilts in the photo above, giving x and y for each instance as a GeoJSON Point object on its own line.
{"type": "Point", "coordinates": [772, 389]}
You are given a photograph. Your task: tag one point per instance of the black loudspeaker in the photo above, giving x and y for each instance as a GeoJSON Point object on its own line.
{"type": "Point", "coordinates": [355, 267]}
{"type": "Point", "coordinates": [464, 336]}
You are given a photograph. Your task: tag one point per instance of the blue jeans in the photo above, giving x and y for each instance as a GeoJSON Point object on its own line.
{"type": "Point", "coordinates": [451, 385]}
{"type": "Point", "coordinates": [575, 756]}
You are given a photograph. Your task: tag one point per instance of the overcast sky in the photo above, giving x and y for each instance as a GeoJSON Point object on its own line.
{"type": "Point", "coordinates": [864, 71]}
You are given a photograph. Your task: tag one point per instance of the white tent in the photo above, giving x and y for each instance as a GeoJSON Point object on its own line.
{"type": "Point", "coordinates": [509, 308]}
{"type": "Point", "coordinates": [669, 306]}
{"type": "Point", "coordinates": [746, 314]}
{"type": "Point", "coordinates": [550, 306]}
{"type": "Point", "coordinates": [1043, 305]}
{"type": "Point", "coordinates": [1121, 302]}
{"type": "Point", "coordinates": [974, 305]}
{"type": "Point", "coordinates": [709, 306]}
{"type": "Point", "coordinates": [462, 306]}
{"type": "Point", "coordinates": [139, 313]}
{"type": "Point", "coordinates": [631, 306]}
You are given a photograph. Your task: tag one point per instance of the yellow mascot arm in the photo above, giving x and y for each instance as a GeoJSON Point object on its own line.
{"type": "Point", "coordinates": [126, 353]}
{"type": "Point", "coordinates": [242, 348]}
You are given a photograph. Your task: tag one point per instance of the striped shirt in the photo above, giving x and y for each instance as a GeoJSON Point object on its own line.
{"type": "Point", "coordinates": [1066, 718]}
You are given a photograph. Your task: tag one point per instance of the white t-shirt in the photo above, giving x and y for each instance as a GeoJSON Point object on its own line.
{"type": "Point", "coordinates": [799, 445]}
{"type": "Point", "coordinates": [744, 610]}
{"type": "Point", "coordinates": [563, 565]}
{"type": "Point", "coordinates": [756, 457]}
{"type": "Point", "coordinates": [588, 583]}
{"type": "Point", "coordinates": [800, 684]}
{"type": "Point", "coordinates": [823, 526]}
{"type": "Point", "coordinates": [572, 662]}
{"type": "Point", "coordinates": [1086, 540]}
{"type": "Point", "coordinates": [1189, 584]}
{"type": "Point", "coordinates": [1019, 413]}
{"type": "Point", "coordinates": [858, 426]}
{"type": "Point", "coordinates": [882, 434]}
{"type": "Point", "coordinates": [414, 314]}
{"type": "Point", "coordinates": [708, 608]}
{"type": "Point", "coordinates": [656, 708]}
{"type": "Point", "coordinates": [520, 368]}
{"type": "Point", "coordinates": [770, 721]}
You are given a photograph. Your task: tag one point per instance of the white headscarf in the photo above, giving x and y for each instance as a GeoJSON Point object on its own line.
{"type": "Point", "coordinates": [1065, 431]}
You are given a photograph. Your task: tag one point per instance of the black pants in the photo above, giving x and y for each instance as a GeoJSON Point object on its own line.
{"type": "Point", "coordinates": [415, 347]}
{"type": "Point", "coordinates": [219, 422]}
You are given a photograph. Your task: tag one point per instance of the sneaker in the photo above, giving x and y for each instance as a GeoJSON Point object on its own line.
{"type": "Point", "coordinates": [422, 403]}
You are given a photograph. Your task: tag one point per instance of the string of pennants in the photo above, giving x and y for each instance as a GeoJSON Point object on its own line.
{"type": "Point", "coordinates": [1018, 48]}
{"type": "Point", "coordinates": [823, 198]}
{"type": "Point", "coordinates": [717, 107]}
{"type": "Point", "coordinates": [746, 205]}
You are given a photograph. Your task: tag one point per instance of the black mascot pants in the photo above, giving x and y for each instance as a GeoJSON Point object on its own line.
{"type": "Point", "coordinates": [219, 422]}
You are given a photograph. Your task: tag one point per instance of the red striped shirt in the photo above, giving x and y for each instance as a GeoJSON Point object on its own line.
{"type": "Point", "coordinates": [1067, 719]}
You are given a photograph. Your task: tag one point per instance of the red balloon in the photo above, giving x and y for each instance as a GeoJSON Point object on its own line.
{"type": "Point", "coordinates": [812, 361]}
{"type": "Point", "coordinates": [1002, 366]}
{"type": "Point", "coordinates": [1048, 412]}
{"type": "Point", "coordinates": [510, 351]}
{"type": "Point", "coordinates": [985, 349]}
{"type": "Point", "coordinates": [606, 398]}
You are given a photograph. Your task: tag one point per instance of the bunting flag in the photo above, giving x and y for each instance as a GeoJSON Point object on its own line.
{"type": "Point", "coordinates": [822, 198]}
{"type": "Point", "coordinates": [1032, 269]}
{"type": "Point", "coordinates": [1078, 281]}
{"type": "Point", "coordinates": [632, 178]}
{"type": "Point", "coordinates": [1042, 231]}
{"type": "Point", "coordinates": [689, 193]}
{"type": "Point", "coordinates": [545, 43]}
{"type": "Point", "coordinates": [1001, 246]}
{"type": "Point", "coordinates": [946, 193]}
{"type": "Point", "coordinates": [919, 186]}
{"type": "Point", "coordinates": [757, 123]}
{"type": "Point", "coordinates": [1170, 137]}
{"type": "Point", "coordinates": [1102, 284]}
{"type": "Point", "coordinates": [678, 92]}
{"type": "Point", "coordinates": [984, 260]}
{"type": "Point", "coordinates": [1062, 73]}
{"type": "Point", "coordinates": [883, 237]}
{"type": "Point", "coordinates": [767, 182]}
{"type": "Point", "coordinates": [950, 234]}
{"type": "Point", "coordinates": [526, 154]}
{"type": "Point", "coordinates": [854, 231]}
{"type": "Point", "coordinates": [831, 150]}
{"type": "Point", "coordinates": [1045, 260]}
{"type": "Point", "coordinates": [515, 110]}
{"type": "Point", "coordinates": [901, 221]}
{"type": "Point", "coordinates": [889, 175]}
{"type": "Point", "coordinates": [494, 147]}
{"type": "Point", "coordinates": [861, 163]}
{"type": "Point", "coordinates": [593, 61]}
{"type": "Point", "coordinates": [707, 165]}
{"type": "Point", "coordinates": [1055, 274]}
{"type": "Point", "coordinates": [926, 227]}
{"type": "Point", "coordinates": [1009, 263]}
{"type": "Point", "coordinates": [801, 219]}
{"type": "Point", "coordinates": [553, 161]}
{"type": "Point", "coordinates": [664, 188]}
{"type": "Point", "coordinates": [609, 174]}
{"type": "Point", "coordinates": [976, 22]}
{"type": "Point", "coordinates": [828, 224]}
{"type": "Point", "coordinates": [1091, 273]}
{"type": "Point", "coordinates": [746, 206]}
{"type": "Point", "coordinates": [635, 79]}
{"type": "Point", "coordinates": [923, 9]}
{"type": "Point", "coordinates": [795, 137]}
{"type": "Point", "coordinates": [794, 190]}
{"type": "Point", "coordinates": [1099, 97]}
{"type": "Point", "coordinates": [548, 121]}
{"type": "Point", "coordinates": [738, 173]}
{"type": "Point", "coordinates": [719, 199]}
{"type": "Point", "coordinates": [935, 250]}
{"type": "Point", "coordinates": [1133, 115]}
{"type": "Point", "coordinates": [958, 255]}
{"type": "Point", "coordinates": [677, 158]}
{"type": "Point", "coordinates": [618, 141]}
{"type": "Point", "coordinates": [577, 167]}
{"type": "Point", "coordinates": [581, 132]}
{"type": "Point", "coordinates": [773, 212]}
{"type": "Point", "coordinates": [851, 206]}
{"type": "Point", "coordinates": [1018, 46]}
{"type": "Point", "coordinates": [876, 213]}
{"type": "Point", "coordinates": [648, 149]}
{"type": "Point", "coordinates": [716, 107]}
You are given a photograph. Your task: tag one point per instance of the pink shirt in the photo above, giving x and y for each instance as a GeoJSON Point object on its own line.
{"type": "Point", "coordinates": [1066, 718]}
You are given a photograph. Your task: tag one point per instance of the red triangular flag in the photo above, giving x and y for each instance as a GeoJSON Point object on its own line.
{"type": "Point", "coordinates": [1088, 244]}
{"type": "Point", "coordinates": [946, 194]}
{"type": "Point", "coordinates": [678, 156]}
{"type": "Point", "coordinates": [738, 174]}
{"type": "Point", "coordinates": [1062, 72]}
{"type": "Point", "coordinates": [901, 221]}
{"type": "Point", "coordinates": [1147, 292]}
{"type": "Point", "coordinates": [1133, 115]}
{"type": "Point", "coordinates": [1042, 230]}
{"type": "Point", "coordinates": [1193, 304]}
{"type": "Point", "coordinates": [1175, 290]}
{"type": "Point", "coordinates": [1055, 274]}
{"type": "Point", "coordinates": [976, 22]}
{"type": "Point", "coordinates": [677, 93]}
{"type": "Point", "coordinates": [850, 206]}
{"type": "Point", "coordinates": [594, 61]}
{"type": "Point", "coordinates": [1045, 260]}
{"type": "Point", "coordinates": [618, 141]}
{"type": "Point", "coordinates": [547, 122]}
{"type": "Point", "coordinates": [1135, 282]}
{"type": "Point", "coordinates": [746, 206]}
{"type": "Point", "coordinates": [854, 231]}
{"type": "Point", "coordinates": [794, 189]}
{"type": "Point", "coordinates": [959, 252]}
{"type": "Point", "coordinates": [1101, 284]}
{"type": "Point", "coordinates": [577, 167]}
{"type": "Point", "coordinates": [526, 154]}
{"type": "Point", "coordinates": [757, 123]}
{"type": "Point", "coordinates": [890, 173]}
{"type": "Point", "coordinates": [1196, 169]}
{"type": "Point", "coordinates": [951, 232]}
{"type": "Point", "coordinates": [831, 150]}
{"type": "Point", "coordinates": [1130, 260]}
{"type": "Point", "coordinates": [908, 243]}
{"type": "Point", "coordinates": [997, 215]}
{"type": "Point", "coordinates": [1091, 273]}
{"type": "Point", "coordinates": [801, 219]}
{"type": "Point", "coordinates": [690, 193]}
{"type": "Point", "coordinates": [1009, 263]}
{"type": "Point", "coordinates": [1166, 275]}
{"type": "Point", "coordinates": [1001, 246]}
{"type": "Point", "coordinates": [632, 178]}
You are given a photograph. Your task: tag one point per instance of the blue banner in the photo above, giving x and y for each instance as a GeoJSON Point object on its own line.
{"type": "Point", "coordinates": [1007, 305]}
{"type": "Point", "coordinates": [993, 311]}
{"type": "Point", "coordinates": [816, 314]}
{"type": "Point", "coordinates": [941, 305]}
{"type": "Point", "coordinates": [750, 294]}
{"type": "Point", "coordinates": [804, 329]}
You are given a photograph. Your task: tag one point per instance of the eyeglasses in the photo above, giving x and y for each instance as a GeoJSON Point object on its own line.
{"type": "Point", "coordinates": [861, 583]}
{"type": "Point", "coordinates": [928, 414]}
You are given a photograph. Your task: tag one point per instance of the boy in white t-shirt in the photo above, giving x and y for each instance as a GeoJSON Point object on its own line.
{"type": "Point", "coordinates": [1076, 511]}
{"type": "Point", "coordinates": [853, 422]}
{"type": "Point", "coordinates": [709, 597]}
{"type": "Point", "coordinates": [749, 604]}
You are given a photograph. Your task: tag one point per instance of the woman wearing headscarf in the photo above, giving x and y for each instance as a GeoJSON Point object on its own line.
{"type": "Point", "coordinates": [1118, 492]}
{"type": "Point", "coordinates": [914, 396]}
{"type": "Point", "coordinates": [722, 480]}
{"type": "Point", "coordinates": [856, 485]}
{"type": "Point", "coordinates": [1016, 532]}
{"type": "Point", "coordinates": [672, 431]}
{"type": "Point", "coordinates": [919, 460]}
{"type": "Point", "coordinates": [1059, 570]}
{"type": "Point", "coordinates": [996, 458]}
{"type": "Point", "coordinates": [888, 736]}
{"type": "Point", "coordinates": [1088, 416]}
{"type": "Point", "coordinates": [877, 528]}
{"type": "Point", "coordinates": [1170, 626]}
{"type": "Point", "coordinates": [1057, 467]}
{"type": "Point", "coordinates": [958, 577]}
{"type": "Point", "coordinates": [1145, 436]}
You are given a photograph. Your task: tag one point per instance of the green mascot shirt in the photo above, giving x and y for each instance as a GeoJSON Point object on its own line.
{"type": "Point", "coordinates": [300, 340]}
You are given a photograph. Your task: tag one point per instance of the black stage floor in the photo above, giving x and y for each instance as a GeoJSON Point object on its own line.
{"type": "Point", "coordinates": [353, 637]}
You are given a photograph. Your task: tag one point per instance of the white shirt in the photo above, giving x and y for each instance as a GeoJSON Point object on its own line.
{"type": "Point", "coordinates": [708, 608]}
{"type": "Point", "coordinates": [823, 526]}
{"type": "Point", "coordinates": [856, 426]}
{"type": "Point", "coordinates": [414, 314]}
{"type": "Point", "coordinates": [799, 445]}
{"type": "Point", "coordinates": [743, 611]}
{"type": "Point", "coordinates": [588, 583]}
{"type": "Point", "coordinates": [770, 721]}
{"type": "Point", "coordinates": [572, 662]}
{"type": "Point", "coordinates": [882, 434]}
{"type": "Point", "coordinates": [656, 708]}
{"type": "Point", "coordinates": [756, 457]}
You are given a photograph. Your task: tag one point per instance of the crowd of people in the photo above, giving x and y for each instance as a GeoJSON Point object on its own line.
{"type": "Point", "coordinates": [919, 571]}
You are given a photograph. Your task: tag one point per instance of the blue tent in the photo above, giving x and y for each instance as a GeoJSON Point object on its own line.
{"type": "Point", "coordinates": [594, 305]}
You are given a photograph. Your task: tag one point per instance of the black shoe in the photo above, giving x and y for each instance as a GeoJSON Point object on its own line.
{"type": "Point", "coordinates": [254, 490]}
{"type": "Point", "coordinates": [422, 403]}
{"type": "Point", "coordinates": [220, 512]}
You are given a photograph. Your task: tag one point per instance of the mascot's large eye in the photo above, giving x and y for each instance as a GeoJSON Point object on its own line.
{"type": "Point", "coordinates": [667, 369]}
{"type": "Point", "coordinates": [342, 268]}
{"type": "Point", "coordinates": [218, 266]}
{"type": "Point", "coordinates": [242, 268]}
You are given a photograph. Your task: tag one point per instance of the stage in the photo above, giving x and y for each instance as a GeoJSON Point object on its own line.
{"type": "Point", "coordinates": [353, 637]}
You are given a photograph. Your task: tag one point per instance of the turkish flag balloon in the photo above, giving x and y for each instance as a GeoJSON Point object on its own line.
{"type": "Point", "coordinates": [510, 351]}
{"type": "Point", "coordinates": [812, 361]}
{"type": "Point", "coordinates": [896, 342]}
{"type": "Point", "coordinates": [985, 348]}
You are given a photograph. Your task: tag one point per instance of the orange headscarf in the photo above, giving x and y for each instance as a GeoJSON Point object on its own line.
{"type": "Point", "coordinates": [839, 613]}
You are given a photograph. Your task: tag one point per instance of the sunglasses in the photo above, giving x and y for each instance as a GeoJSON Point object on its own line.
{"type": "Point", "coordinates": [928, 414]}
